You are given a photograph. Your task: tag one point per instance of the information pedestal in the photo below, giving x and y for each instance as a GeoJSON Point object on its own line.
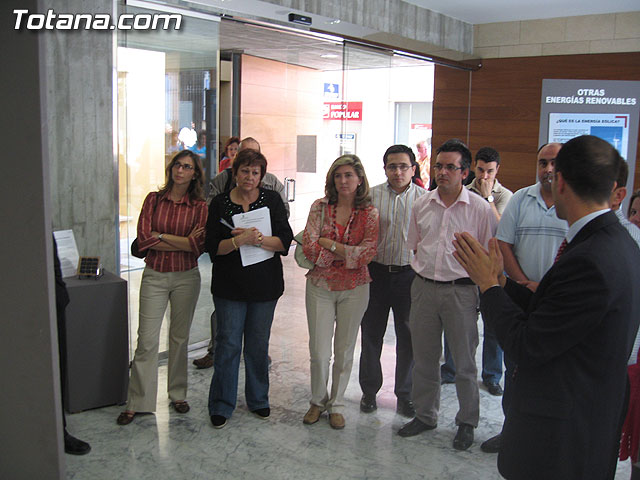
{"type": "Point", "coordinates": [97, 330]}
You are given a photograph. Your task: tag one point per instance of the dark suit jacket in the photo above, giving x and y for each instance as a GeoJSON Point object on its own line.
{"type": "Point", "coordinates": [571, 341]}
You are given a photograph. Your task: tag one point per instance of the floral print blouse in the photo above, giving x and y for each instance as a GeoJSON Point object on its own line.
{"type": "Point", "coordinates": [333, 272]}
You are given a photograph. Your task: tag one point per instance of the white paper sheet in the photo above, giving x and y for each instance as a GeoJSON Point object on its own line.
{"type": "Point", "coordinates": [67, 252]}
{"type": "Point", "coordinates": [260, 219]}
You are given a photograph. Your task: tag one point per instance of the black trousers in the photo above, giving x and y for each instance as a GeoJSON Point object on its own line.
{"type": "Point", "coordinates": [388, 291]}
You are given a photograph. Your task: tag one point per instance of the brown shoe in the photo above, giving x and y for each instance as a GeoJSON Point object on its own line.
{"type": "Point", "coordinates": [181, 407]}
{"type": "Point", "coordinates": [125, 418]}
{"type": "Point", "coordinates": [204, 362]}
{"type": "Point", "coordinates": [336, 420]}
{"type": "Point", "coordinates": [312, 415]}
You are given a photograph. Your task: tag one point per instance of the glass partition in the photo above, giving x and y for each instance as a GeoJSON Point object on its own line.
{"type": "Point", "coordinates": [307, 98]}
{"type": "Point", "coordinates": [167, 89]}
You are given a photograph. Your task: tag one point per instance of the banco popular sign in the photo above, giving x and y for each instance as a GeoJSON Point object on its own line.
{"type": "Point", "coordinates": [342, 111]}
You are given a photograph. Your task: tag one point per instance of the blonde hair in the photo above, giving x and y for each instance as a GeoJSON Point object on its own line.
{"type": "Point", "coordinates": [362, 192]}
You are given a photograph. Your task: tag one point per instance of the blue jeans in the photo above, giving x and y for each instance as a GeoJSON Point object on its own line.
{"type": "Point", "coordinates": [491, 360]}
{"type": "Point", "coordinates": [251, 320]}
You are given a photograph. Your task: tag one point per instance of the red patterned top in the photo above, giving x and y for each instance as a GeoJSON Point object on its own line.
{"type": "Point", "coordinates": [332, 272]}
{"type": "Point", "coordinates": [160, 214]}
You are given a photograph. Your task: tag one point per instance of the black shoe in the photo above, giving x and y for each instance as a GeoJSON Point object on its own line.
{"type": "Point", "coordinates": [368, 403]}
{"type": "Point", "coordinates": [494, 389]}
{"type": "Point", "coordinates": [492, 445]}
{"type": "Point", "coordinates": [414, 427]}
{"type": "Point", "coordinates": [464, 437]}
{"type": "Point", "coordinates": [75, 446]}
{"type": "Point", "coordinates": [405, 408]}
{"type": "Point", "coordinates": [445, 381]}
{"type": "Point", "coordinates": [263, 413]}
{"type": "Point", "coordinates": [218, 421]}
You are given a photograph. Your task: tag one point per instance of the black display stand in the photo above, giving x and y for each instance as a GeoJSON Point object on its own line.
{"type": "Point", "coordinates": [97, 336]}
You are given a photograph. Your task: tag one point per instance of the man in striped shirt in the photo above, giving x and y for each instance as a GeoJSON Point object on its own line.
{"type": "Point", "coordinates": [390, 288]}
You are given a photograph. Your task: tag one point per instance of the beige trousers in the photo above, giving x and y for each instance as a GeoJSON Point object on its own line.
{"type": "Point", "coordinates": [333, 316]}
{"type": "Point", "coordinates": [181, 289]}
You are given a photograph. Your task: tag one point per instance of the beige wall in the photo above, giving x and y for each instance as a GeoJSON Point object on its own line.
{"type": "Point", "coordinates": [609, 33]}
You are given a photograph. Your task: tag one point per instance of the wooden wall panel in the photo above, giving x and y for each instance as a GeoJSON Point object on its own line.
{"type": "Point", "coordinates": [279, 102]}
{"type": "Point", "coordinates": [499, 105]}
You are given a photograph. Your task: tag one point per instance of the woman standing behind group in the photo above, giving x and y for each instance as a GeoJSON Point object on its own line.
{"type": "Point", "coordinates": [340, 238]}
{"type": "Point", "coordinates": [228, 153]}
{"type": "Point", "coordinates": [245, 297]}
{"type": "Point", "coordinates": [171, 228]}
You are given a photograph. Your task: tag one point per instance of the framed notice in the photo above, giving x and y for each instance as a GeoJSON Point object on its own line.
{"type": "Point", "coordinates": [612, 127]}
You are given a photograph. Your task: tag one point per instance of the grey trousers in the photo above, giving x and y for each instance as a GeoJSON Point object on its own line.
{"type": "Point", "coordinates": [452, 308]}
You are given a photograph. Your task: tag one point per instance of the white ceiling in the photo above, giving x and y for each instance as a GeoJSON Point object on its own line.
{"type": "Point", "coordinates": [489, 11]}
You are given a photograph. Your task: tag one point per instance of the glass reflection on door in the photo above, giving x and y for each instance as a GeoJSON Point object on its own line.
{"type": "Point", "coordinates": [167, 83]}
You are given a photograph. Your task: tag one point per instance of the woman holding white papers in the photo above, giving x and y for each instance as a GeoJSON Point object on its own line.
{"type": "Point", "coordinates": [340, 238]}
{"type": "Point", "coordinates": [246, 284]}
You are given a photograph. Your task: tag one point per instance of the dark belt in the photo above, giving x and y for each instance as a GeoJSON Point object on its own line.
{"type": "Point", "coordinates": [457, 281]}
{"type": "Point", "coordinates": [392, 268]}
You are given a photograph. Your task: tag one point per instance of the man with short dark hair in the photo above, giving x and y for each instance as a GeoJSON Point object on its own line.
{"type": "Point", "coordinates": [443, 296]}
{"type": "Point", "coordinates": [571, 338]}
{"type": "Point", "coordinates": [488, 187]}
{"type": "Point", "coordinates": [486, 184]}
{"type": "Point", "coordinates": [391, 277]}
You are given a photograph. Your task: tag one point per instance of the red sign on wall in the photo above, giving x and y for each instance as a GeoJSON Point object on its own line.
{"type": "Point", "coordinates": [342, 111]}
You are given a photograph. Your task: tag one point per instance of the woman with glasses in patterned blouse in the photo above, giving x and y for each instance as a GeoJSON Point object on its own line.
{"type": "Point", "coordinates": [340, 238]}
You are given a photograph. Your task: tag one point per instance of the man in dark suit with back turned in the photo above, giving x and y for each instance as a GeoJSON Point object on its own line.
{"type": "Point", "coordinates": [571, 338]}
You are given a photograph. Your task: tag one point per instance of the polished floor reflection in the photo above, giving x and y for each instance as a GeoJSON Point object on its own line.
{"type": "Point", "coordinates": [168, 445]}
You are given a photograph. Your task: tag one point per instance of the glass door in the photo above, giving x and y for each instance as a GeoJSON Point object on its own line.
{"type": "Point", "coordinates": [378, 83]}
{"type": "Point", "coordinates": [167, 91]}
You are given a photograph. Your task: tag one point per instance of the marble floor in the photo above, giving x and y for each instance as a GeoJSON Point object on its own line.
{"type": "Point", "coordinates": [168, 445]}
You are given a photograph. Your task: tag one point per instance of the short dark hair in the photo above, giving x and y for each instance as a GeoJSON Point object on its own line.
{"type": "Point", "coordinates": [623, 175]}
{"type": "Point", "coordinates": [456, 145]}
{"type": "Point", "coordinates": [635, 195]}
{"type": "Point", "coordinates": [488, 154]}
{"type": "Point", "coordinates": [550, 143]}
{"type": "Point", "coordinates": [249, 157]}
{"type": "Point", "coordinates": [399, 149]}
{"type": "Point", "coordinates": [590, 166]}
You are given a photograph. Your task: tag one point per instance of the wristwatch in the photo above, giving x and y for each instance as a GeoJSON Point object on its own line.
{"type": "Point", "coordinates": [490, 199]}
{"type": "Point", "coordinates": [333, 247]}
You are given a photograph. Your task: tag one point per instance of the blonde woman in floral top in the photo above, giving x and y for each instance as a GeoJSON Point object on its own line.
{"type": "Point", "coordinates": [340, 238]}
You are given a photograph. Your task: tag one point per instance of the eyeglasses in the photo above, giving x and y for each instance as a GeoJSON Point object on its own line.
{"type": "Point", "coordinates": [403, 167]}
{"type": "Point", "coordinates": [184, 166]}
{"type": "Point", "coordinates": [450, 167]}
